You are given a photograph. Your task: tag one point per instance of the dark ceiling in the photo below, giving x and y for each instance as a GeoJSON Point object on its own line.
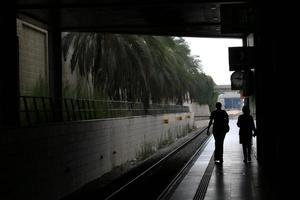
{"type": "Point", "coordinates": [181, 18]}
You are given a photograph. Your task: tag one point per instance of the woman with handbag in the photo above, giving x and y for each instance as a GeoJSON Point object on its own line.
{"type": "Point", "coordinates": [219, 118]}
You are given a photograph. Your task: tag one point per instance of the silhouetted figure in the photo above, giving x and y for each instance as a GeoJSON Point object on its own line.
{"type": "Point", "coordinates": [219, 118]}
{"type": "Point", "coordinates": [247, 130]}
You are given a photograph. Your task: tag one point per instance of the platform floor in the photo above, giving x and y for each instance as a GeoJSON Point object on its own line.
{"type": "Point", "coordinates": [233, 180]}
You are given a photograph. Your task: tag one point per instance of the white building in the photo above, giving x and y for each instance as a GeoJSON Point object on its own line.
{"type": "Point", "coordinates": [230, 99]}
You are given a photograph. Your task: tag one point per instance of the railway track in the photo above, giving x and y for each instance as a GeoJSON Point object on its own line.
{"type": "Point", "coordinates": [157, 181]}
{"type": "Point", "coordinates": [151, 181]}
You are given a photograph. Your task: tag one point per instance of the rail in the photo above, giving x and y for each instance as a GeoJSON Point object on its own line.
{"type": "Point", "coordinates": [38, 110]}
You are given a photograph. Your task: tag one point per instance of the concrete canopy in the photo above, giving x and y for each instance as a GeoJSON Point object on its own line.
{"type": "Point", "coordinates": [178, 17]}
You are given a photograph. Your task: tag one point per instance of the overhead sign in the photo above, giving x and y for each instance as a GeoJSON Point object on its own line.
{"type": "Point", "coordinates": [241, 58]}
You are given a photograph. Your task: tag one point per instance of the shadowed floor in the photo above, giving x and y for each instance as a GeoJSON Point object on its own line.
{"type": "Point", "coordinates": [234, 180]}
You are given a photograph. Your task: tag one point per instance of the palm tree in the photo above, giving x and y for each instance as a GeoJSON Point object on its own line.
{"type": "Point", "coordinates": [134, 68]}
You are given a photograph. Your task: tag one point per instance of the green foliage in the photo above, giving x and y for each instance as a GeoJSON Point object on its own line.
{"type": "Point", "coordinates": [138, 68]}
{"type": "Point", "coordinates": [80, 90]}
{"type": "Point", "coordinates": [202, 90]}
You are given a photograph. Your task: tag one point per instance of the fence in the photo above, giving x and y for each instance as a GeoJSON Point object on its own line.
{"type": "Point", "coordinates": [39, 110]}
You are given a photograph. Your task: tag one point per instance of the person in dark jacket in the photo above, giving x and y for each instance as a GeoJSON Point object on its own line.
{"type": "Point", "coordinates": [247, 130]}
{"type": "Point", "coordinates": [219, 118]}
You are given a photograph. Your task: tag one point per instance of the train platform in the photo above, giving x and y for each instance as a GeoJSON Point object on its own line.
{"type": "Point", "coordinates": [232, 180]}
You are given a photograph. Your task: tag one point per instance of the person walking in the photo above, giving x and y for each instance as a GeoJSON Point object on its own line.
{"type": "Point", "coordinates": [247, 130]}
{"type": "Point", "coordinates": [219, 118]}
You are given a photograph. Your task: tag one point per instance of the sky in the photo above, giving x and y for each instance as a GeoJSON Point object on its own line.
{"type": "Point", "coordinates": [213, 53]}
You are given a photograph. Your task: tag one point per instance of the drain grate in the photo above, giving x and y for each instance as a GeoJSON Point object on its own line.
{"type": "Point", "coordinates": [201, 190]}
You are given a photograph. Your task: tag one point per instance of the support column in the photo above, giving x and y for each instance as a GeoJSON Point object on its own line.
{"type": "Point", "coordinates": [244, 39]}
{"type": "Point", "coordinates": [9, 76]}
{"type": "Point", "coordinates": [55, 62]}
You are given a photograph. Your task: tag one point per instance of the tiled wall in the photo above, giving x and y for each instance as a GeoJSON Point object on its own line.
{"type": "Point", "coordinates": [33, 57]}
{"type": "Point", "coordinates": [48, 162]}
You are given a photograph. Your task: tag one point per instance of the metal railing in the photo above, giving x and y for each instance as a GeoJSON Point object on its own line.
{"type": "Point", "coordinates": [40, 110]}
